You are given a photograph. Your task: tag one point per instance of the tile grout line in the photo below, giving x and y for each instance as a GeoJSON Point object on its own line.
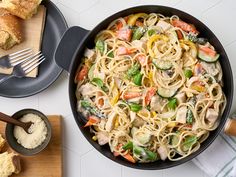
{"type": "Point", "coordinates": [80, 172]}
{"type": "Point", "coordinates": [79, 154]}
{"type": "Point", "coordinates": [177, 3]}
{"type": "Point", "coordinates": [59, 3]}
{"type": "Point", "coordinates": [230, 43]}
{"type": "Point", "coordinates": [212, 6]}
{"type": "Point", "coordinates": [86, 153]}
{"type": "Point", "coordinates": [92, 4]}
{"type": "Point", "coordinates": [70, 150]}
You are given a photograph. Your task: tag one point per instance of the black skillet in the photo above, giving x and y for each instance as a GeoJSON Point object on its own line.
{"type": "Point", "coordinates": [70, 52]}
{"type": "Point", "coordinates": [48, 71]}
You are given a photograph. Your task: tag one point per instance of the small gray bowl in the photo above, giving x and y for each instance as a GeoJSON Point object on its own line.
{"type": "Point", "coordinates": [12, 140]}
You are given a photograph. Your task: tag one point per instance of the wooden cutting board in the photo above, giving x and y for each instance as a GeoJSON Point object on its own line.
{"type": "Point", "coordinates": [48, 163]}
{"type": "Point", "coordinates": [32, 38]}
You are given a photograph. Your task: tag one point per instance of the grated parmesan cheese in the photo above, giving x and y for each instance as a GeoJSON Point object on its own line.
{"type": "Point", "coordinates": [38, 132]}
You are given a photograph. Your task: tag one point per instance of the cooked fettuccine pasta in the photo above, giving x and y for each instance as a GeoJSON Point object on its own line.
{"type": "Point", "coordinates": [151, 88]}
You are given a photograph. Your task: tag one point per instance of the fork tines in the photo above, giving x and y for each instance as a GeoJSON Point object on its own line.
{"type": "Point", "coordinates": [32, 62]}
{"type": "Point", "coordinates": [20, 56]}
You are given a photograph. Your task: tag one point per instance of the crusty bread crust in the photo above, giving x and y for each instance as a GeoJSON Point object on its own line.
{"type": "Point", "coordinates": [2, 142]}
{"type": "Point", "coordinates": [9, 164]}
{"type": "Point", "coordinates": [10, 27]}
{"type": "Point", "coordinates": [16, 163]}
{"type": "Point", "coordinates": [24, 9]}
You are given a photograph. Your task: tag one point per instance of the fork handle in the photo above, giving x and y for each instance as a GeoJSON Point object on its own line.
{"type": "Point", "coordinates": [5, 78]}
{"type": "Point", "coordinates": [8, 119]}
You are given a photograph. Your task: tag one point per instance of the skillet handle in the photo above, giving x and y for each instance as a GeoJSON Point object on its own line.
{"type": "Point", "coordinates": [68, 45]}
{"type": "Point", "coordinates": [230, 127]}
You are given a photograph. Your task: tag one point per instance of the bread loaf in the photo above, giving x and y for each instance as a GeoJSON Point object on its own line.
{"type": "Point", "coordinates": [9, 164]}
{"type": "Point", "coordinates": [2, 142]}
{"type": "Point", "coordinates": [24, 9]}
{"type": "Point", "coordinates": [10, 30]}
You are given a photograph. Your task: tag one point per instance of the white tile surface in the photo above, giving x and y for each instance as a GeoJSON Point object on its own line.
{"type": "Point", "coordinates": [71, 160]}
{"type": "Point", "coordinates": [80, 158]}
{"type": "Point", "coordinates": [55, 98]}
{"type": "Point", "coordinates": [197, 8]}
{"type": "Point", "coordinates": [129, 172]}
{"type": "Point", "coordinates": [10, 106]}
{"type": "Point", "coordinates": [187, 169]}
{"type": "Point", "coordinates": [73, 138]}
{"type": "Point", "coordinates": [219, 19]}
{"type": "Point", "coordinates": [95, 164]}
{"type": "Point", "coordinates": [71, 16]}
{"type": "Point", "coordinates": [79, 6]}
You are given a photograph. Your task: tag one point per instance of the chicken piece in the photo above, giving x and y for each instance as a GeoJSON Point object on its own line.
{"type": "Point", "coordinates": [162, 152]}
{"type": "Point", "coordinates": [164, 25]}
{"type": "Point", "coordinates": [136, 100]}
{"type": "Point", "coordinates": [181, 115]}
{"type": "Point", "coordinates": [132, 116]}
{"type": "Point", "coordinates": [181, 98]}
{"type": "Point", "coordinates": [211, 115]}
{"type": "Point", "coordinates": [155, 104]}
{"type": "Point", "coordinates": [111, 121]}
{"type": "Point", "coordinates": [89, 53]}
{"type": "Point", "coordinates": [139, 44]}
{"type": "Point", "coordinates": [103, 138]}
{"type": "Point", "coordinates": [86, 89]}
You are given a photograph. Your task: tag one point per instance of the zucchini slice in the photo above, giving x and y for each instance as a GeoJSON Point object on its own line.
{"type": "Point", "coordinates": [90, 73]}
{"type": "Point", "coordinates": [162, 64]}
{"type": "Point", "coordinates": [204, 57]}
{"type": "Point", "coordinates": [166, 93]}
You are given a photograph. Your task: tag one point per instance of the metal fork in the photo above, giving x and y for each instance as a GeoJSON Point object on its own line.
{"type": "Point", "coordinates": [21, 70]}
{"type": "Point", "coordinates": [11, 60]}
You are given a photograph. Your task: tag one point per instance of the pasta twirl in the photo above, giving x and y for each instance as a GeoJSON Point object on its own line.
{"type": "Point", "coordinates": [151, 88]}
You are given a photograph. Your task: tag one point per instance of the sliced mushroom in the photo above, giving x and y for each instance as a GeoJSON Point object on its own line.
{"type": "Point", "coordinates": [86, 89]}
{"type": "Point", "coordinates": [138, 122]}
{"type": "Point", "coordinates": [210, 68]}
{"type": "Point", "coordinates": [155, 104]}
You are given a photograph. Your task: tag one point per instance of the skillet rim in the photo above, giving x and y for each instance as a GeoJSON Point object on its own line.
{"type": "Point", "coordinates": [78, 117]}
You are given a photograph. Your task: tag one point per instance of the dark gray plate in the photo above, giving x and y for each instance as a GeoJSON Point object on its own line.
{"type": "Point", "coordinates": [48, 71]}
